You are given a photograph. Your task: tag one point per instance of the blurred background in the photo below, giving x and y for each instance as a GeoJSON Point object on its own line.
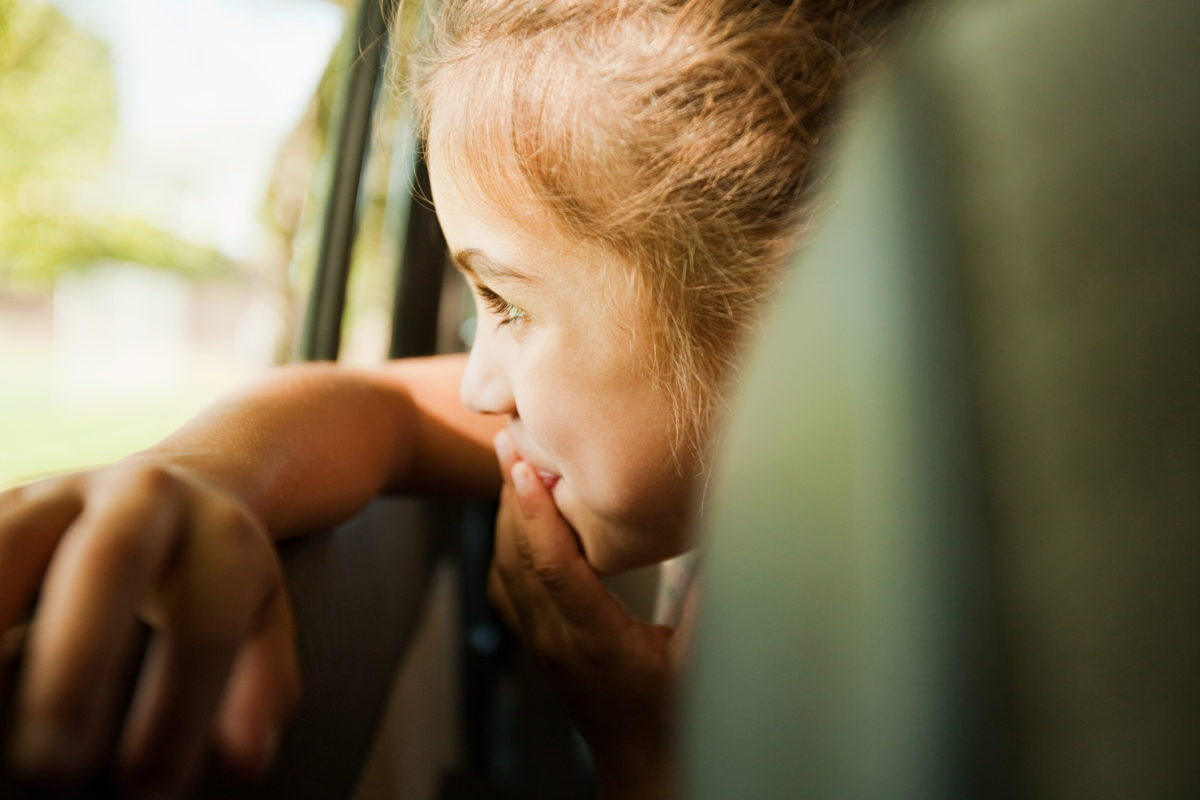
{"type": "Point", "coordinates": [162, 170]}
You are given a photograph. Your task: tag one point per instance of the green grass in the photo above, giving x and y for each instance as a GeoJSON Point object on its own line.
{"type": "Point", "coordinates": [39, 437]}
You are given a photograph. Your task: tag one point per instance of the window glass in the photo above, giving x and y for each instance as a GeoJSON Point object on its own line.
{"type": "Point", "coordinates": [156, 162]}
{"type": "Point", "coordinates": [384, 201]}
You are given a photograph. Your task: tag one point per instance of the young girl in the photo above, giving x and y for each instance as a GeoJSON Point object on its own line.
{"type": "Point", "coordinates": [618, 182]}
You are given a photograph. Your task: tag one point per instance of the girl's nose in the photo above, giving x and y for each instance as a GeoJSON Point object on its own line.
{"type": "Point", "coordinates": [485, 387]}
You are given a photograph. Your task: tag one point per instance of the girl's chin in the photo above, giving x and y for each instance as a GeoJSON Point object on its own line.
{"type": "Point", "coordinates": [609, 552]}
{"type": "Point", "coordinates": [596, 541]}
{"type": "Point", "coordinates": [613, 545]}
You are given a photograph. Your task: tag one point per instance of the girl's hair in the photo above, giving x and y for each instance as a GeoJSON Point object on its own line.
{"type": "Point", "coordinates": [678, 136]}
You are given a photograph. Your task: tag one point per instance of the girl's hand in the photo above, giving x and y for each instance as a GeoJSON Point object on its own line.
{"type": "Point", "coordinates": [101, 553]}
{"type": "Point", "coordinates": [616, 672]}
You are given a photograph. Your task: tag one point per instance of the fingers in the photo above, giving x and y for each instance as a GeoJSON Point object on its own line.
{"type": "Point", "coordinates": [547, 548]}
{"type": "Point", "coordinates": [229, 592]}
{"type": "Point", "coordinates": [263, 691]}
{"type": "Point", "coordinates": [540, 583]}
{"type": "Point", "coordinates": [506, 454]}
{"type": "Point", "coordinates": [166, 733]}
{"type": "Point", "coordinates": [131, 546]}
{"type": "Point", "coordinates": [31, 524]}
{"type": "Point", "coordinates": [501, 602]}
{"type": "Point", "coordinates": [615, 671]}
{"type": "Point", "coordinates": [85, 627]}
{"type": "Point", "coordinates": [513, 591]}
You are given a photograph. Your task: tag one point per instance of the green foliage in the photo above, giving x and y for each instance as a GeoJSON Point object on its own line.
{"type": "Point", "coordinates": [57, 124]}
{"type": "Point", "coordinates": [57, 96]}
{"type": "Point", "coordinates": [38, 247]}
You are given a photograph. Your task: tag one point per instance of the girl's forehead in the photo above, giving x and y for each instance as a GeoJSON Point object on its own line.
{"type": "Point", "coordinates": [482, 207]}
{"type": "Point", "coordinates": [473, 158]}
{"type": "Point", "coordinates": [480, 167]}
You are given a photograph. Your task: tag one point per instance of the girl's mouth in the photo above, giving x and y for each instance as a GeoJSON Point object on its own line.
{"type": "Point", "coordinates": [549, 479]}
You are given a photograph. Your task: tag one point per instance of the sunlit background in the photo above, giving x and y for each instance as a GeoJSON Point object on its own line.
{"type": "Point", "coordinates": [158, 163]}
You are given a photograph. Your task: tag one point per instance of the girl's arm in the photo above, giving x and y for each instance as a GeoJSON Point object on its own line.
{"type": "Point", "coordinates": [311, 444]}
{"type": "Point", "coordinates": [178, 537]}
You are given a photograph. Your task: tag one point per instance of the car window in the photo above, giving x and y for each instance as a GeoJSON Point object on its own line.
{"type": "Point", "coordinates": [402, 295]}
{"type": "Point", "coordinates": [160, 174]}
{"type": "Point", "coordinates": [384, 202]}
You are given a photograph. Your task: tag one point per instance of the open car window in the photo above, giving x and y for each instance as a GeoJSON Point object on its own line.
{"type": "Point", "coordinates": [162, 171]}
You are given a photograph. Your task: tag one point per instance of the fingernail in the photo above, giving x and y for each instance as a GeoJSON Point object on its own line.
{"type": "Point", "coordinates": [503, 445]}
{"type": "Point", "coordinates": [523, 477]}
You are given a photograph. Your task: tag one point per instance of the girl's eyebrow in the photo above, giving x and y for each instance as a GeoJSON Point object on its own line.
{"type": "Point", "coordinates": [475, 262]}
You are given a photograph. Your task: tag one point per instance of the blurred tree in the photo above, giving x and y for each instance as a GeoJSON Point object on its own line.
{"type": "Point", "coordinates": [57, 122]}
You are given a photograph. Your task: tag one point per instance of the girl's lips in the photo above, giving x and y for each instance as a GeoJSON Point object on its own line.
{"type": "Point", "coordinates": [517, 435]}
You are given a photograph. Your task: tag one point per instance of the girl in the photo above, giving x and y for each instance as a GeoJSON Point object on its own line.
{"type": "Point", "coordinates": [618, 182]}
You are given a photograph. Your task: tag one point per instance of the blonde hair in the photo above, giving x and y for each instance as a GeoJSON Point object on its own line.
{"type": "Point", "coordinates": [678, 136]}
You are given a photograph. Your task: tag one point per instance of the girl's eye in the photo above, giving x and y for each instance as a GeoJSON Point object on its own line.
{"type": "Point", "coordinates": [500, 307]}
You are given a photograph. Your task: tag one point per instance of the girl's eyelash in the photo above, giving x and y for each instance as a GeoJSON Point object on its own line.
{"type": "Point", "coordinates": [498, 305]}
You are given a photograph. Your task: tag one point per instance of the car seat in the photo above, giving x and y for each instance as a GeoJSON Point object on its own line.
{"type": "Point", "coordinates": [953, 545]}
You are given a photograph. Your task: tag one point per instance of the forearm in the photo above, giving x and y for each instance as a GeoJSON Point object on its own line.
{"type": "Point", "coordinates": [310, 444]}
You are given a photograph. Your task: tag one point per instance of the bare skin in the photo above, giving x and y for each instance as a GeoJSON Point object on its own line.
{"type": "Point", "coordinates": [615, 671]}
{"type": "Point", "coordinates": [180, 537]}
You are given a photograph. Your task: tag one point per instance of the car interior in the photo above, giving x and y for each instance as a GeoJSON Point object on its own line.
{"type": "Point", "coordinates": [965, 563]}
{"type": "Point", "coordinates": [951, 545]}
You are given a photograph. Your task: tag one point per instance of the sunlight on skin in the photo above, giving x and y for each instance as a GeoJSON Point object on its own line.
{"type": "Point", "coordinates": [552, 351]}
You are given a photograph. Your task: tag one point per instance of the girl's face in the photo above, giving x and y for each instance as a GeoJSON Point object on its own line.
{"type": "Point", "coordinates": [555, 353]}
